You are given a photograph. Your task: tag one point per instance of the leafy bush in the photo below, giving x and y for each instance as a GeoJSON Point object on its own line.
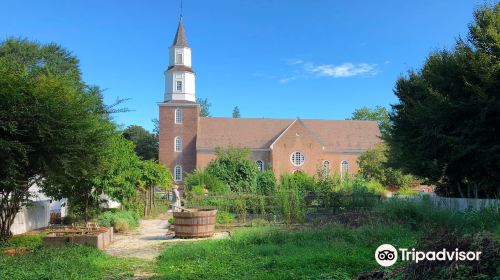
{"type": "Point", "coordinates": [224, 217]}
{"type": "Point", "coordinates": [205, 179]}
{"type": "Point", "coordinates": [118, 219]}
{"type": "Point", "coordinates": [120, 225]}
{"type": "Point", "coordinates": [234, 167]}
{"type": "Point", "coordinates": [266, 182]}
{"type": "Point", "coordinates": [373, 166]}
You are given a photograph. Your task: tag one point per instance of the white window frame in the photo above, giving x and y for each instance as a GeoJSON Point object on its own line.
{"type": "Point", "coordinates": [178, 173]}
{"type": "Point", "coordinates": [342, 171]}
{"type": "Point", "coordinates": [178, 144]}
{"type": "Point", "coordinates": [177, 83]}
{"type": "Point", "coordinates": [178, 116]}
{"type": "Point", "coordinates": [177, 58]}
{"type": "Point", "coordinates": [293, 157]}
{"type": "Point", "coordinates": [260, 165]}
{"type": "Point", "coordinates": [326, 167]}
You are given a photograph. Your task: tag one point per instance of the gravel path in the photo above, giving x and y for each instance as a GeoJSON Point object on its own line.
{"type": "Point", "coordinates": [148, 240]}
{"type": "Point", "coordinates": [145, 242]}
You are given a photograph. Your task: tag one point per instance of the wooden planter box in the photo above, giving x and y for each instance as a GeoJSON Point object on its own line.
{"type": "Point", "coordinates": [97, 239]}
{"type": "Point", "coordinates": [194, 223]}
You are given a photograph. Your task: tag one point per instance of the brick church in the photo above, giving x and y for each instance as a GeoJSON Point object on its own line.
{"type": "Point", "coordinates": [188, 141]}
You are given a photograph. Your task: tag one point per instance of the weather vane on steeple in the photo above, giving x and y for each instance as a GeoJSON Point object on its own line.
{"type": "Point", "coordinates": [181, 8]}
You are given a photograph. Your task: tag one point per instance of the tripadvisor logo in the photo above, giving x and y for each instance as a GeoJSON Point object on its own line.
{"type": "Point", "coordinates": [387, 255]}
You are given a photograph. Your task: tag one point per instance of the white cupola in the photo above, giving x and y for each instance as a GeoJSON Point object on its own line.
{"type": "Point", "coordinates": [179, 77]}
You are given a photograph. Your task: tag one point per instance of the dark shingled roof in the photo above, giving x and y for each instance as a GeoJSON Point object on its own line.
{"type": "Point", "coordinates": [180, 37]}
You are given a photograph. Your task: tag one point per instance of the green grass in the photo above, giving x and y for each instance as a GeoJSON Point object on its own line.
{"type": "Point", "coordinates": [332, 252]}
{"type": "Point", "coordinates": [73, 262]}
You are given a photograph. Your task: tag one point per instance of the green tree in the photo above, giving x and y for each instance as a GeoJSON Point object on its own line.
{"type": "Point", "coordinates": [234, 167]}
{"type": "Point", "coordinates": [152, 174]}
{"type": "Point", "coordinates": [446, 122]}
{"type": "Point", "coordinates": [115, 172]}
{"type": "Point", "coordinates": [236, 112]}
{"type": "Point", "coordinates": [373, 165]}
{"type": "Point", "coordinates": [379, 114]}
{"type": "Point", "coordinates": [266, 182]}
{"type": "Point", "coordinates": [204, 107]}
{"type": "Point", "coordinates": [146, 143]}
{"type": "Point", "coordinates": [52, 125]}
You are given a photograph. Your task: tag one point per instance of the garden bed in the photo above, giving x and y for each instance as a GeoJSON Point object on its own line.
{"type": "Point", "coordinates": [97, 237]}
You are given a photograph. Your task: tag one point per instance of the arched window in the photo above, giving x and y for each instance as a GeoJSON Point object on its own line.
{"type": "Point", "coordinates": [326, 167]}
{"type": "Point", "coordinates": [344, 168]}
{"type": "Point", "coordinates": [178, 173]}
{"type": "Point", "coordinates": [297, 158]}
{"type": "Point", "coordinates": [178, 115]}
{"type": "Point", "coordinates": [178, 144]}
{"type": "Point", "coordinates": [260, 165]}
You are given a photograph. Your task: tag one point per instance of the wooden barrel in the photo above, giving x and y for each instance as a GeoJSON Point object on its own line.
{"type": "Point", "coordinates": [194, 223]}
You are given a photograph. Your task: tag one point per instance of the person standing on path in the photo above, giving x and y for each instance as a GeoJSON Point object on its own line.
{"type": "Point", "coordinates": [176, 199]}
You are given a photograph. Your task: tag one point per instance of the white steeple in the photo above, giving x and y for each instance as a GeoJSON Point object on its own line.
{"type": "Point", "coordinates": [179, 77]}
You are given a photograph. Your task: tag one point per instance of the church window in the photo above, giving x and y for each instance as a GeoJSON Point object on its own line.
{"type": "Point", "coordinates": [178, 59]}
{"type": "Point", "coordinates": [297, 158]}
{"type": "Point", "coordinates": [178, 115]}
{"type": "Point", "coordinates": [260, 165]}
{"type": "Point", "coordinates": [326, 167]}
{"type": "Point", "coordinates": [178, 85]}
{"type": "Point", "coordinates": [344, 168]}
{"type": "Point", "coordinates": [178, 144]}
{"type": "Point", "coordinates": [178, 173]}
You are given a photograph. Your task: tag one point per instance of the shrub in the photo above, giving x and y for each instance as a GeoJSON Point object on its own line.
{"type": "Point", "coordinates": [234, 167]}
{"type": "Point", "coordinates": [224, 217]}
{"type": "Point", "coordinates": [117, 219]}
{"type": "Point", "coordinates": [266, 182]}
{"type": "Point", "coordinates": [205, 179]}
{"type": "Point", "coordinates": [120, 225]}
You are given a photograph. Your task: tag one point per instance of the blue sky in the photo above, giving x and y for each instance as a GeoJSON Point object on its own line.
{"type": "Point", "coordinates": [274, 59]}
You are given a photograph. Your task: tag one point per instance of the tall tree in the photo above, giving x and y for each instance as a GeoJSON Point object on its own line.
{"type": "Point", "coordinates": [379, 114]}
{"type": "Point", "coordinates": [204, 107]}
{"type": "Point", "coordinates": [146, 143]}
{"type": "Point", "coordinates": [51, 124]}
{"type": "Point", "coordinates": [446, 122]}
{"type": "Point", "coordinates": [236, 112]}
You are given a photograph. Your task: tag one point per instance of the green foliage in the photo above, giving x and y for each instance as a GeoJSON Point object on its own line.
{"type": "Point", "coordinates": [234, 167]}
{"type": "Point", "coordinates": [373, 166]}
{"type": "Point", "coordinates": [53, 126]}
{"type": "Point", "coordinates": [146, 143]}
{"type": "Point", "coordinates": [224, 218]}
{"type": "Point", "coordinates": [446, 122]}
{"type": "Point", "coordinates": [205, 179]}
{"type": "Point", "coordinates": [266, 182]}
{"type": "Point", "coordinates": [154, 174]}
{"type": "Point", "coordinates": [23, 241]}
{"type": "Point", "coordinates": [379, 114]}
{"type": "Point", "coordinates": [291, 197]}
{"type": "Point", "coordinates": [332, 252]}
{"type": "Point", "coordinates": [236, 112]}
{"type": "Point", "coordinates": [426, 215]}
{"type": "Point", "coordinates": [72, 262]}
{"type": "Point", "coordinates": [120, 220]}
{"type": "Point", "coordinates": [204, 107]}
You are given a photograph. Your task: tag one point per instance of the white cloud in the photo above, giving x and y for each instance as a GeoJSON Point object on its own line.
{"type": "Point", "coordinates": [341, 71]}
{"type": "Point", "coordinates": [287, 79]}
{"type": "Point", "coordinates": [294, 61]}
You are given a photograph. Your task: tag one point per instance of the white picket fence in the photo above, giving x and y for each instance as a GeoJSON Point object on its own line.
{"type": "Point", "coordinates": [36, 215]}
{"type": "Point", "coordinates": [453, 203]}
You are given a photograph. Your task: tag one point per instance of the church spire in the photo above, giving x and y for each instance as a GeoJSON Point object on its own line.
{"type": "Point", "coordinates": [180, 37]}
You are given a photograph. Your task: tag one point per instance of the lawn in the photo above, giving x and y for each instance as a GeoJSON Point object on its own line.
{"type": "Point", "coordinates": [330, 252]}
{"type": "Point", "coordinates": [343, 249]}
{"type": "Point", "coordinates": [73, 262]}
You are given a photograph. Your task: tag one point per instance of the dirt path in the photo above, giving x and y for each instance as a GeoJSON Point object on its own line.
{"type": "Point", "coordinates": [145, 242]}
{"type": "Point", "coordinates": [148, 240]}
